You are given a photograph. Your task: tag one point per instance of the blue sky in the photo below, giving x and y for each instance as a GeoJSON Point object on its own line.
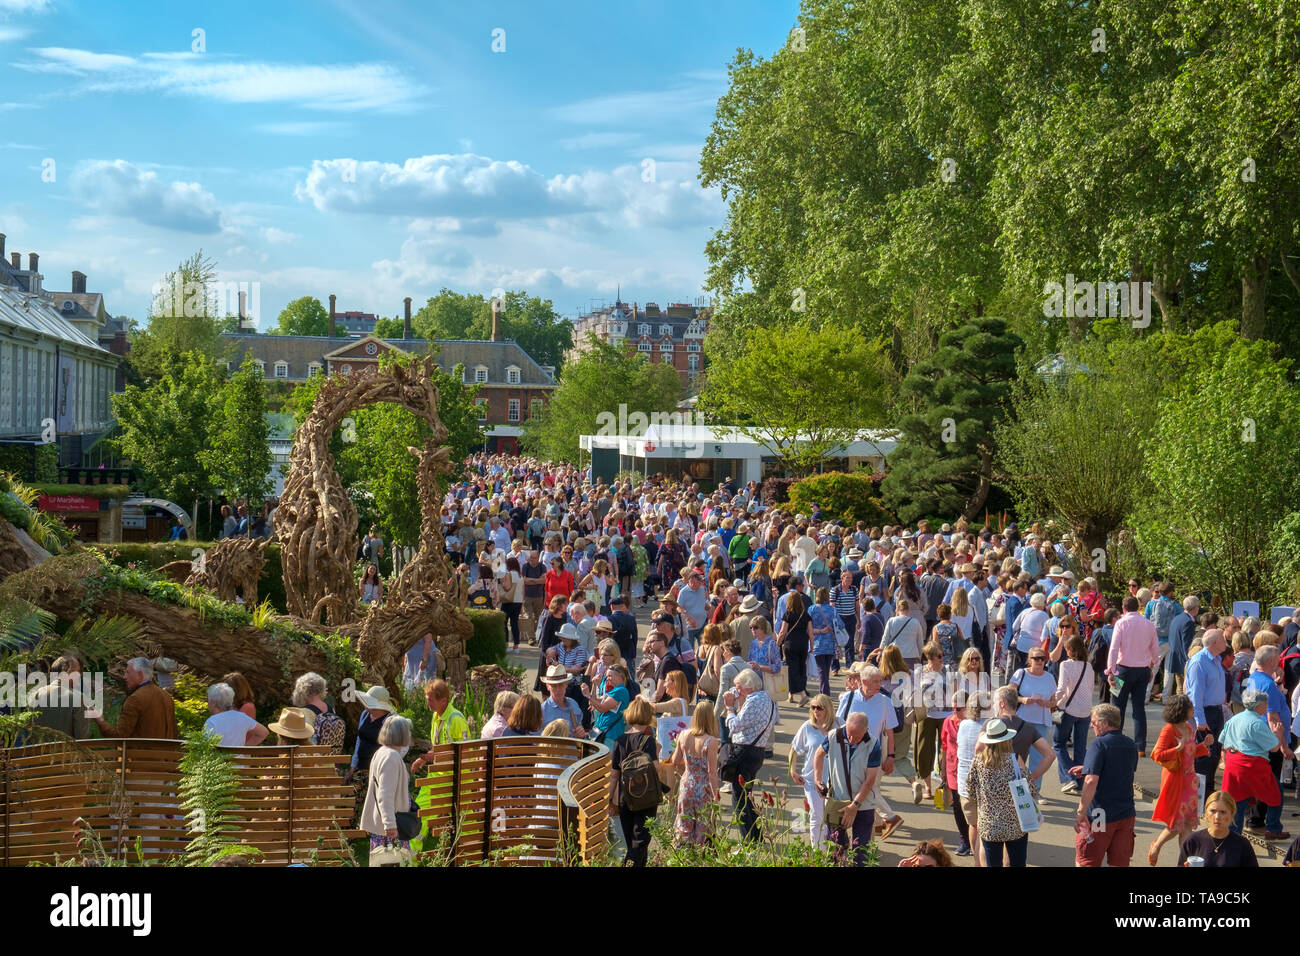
{"type": "Point", "coordinates": [372, 149]}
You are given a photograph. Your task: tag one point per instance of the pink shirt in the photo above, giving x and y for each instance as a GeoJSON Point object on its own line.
{"type": "Point", "coordinates": [1133, 644]}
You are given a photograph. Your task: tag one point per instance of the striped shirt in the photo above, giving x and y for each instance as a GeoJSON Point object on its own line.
{"type": "Point", "coordinates": [845, 600]}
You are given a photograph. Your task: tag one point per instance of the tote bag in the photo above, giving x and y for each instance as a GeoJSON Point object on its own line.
{"type": "Point", "coordinates": [777, 686]}
{"type": "Point", "coordinates": [667, 729]}
{"type": "Point", "coordinates": [1027, 814]}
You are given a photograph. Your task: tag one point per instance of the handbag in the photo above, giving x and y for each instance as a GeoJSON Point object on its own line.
{"type": "Point", "coordinates": [841, 632]}
{"type": "Point", "coordinates": [1056, 714]}
{"type": "Point", "coordinates": [390, 854]}
{"type": "Point", "coordinates": [708, 683]}
{"type": "Point", "coordinates": [731, 756]}
{"type": "Point", "coordinates": [777, 685]}
{"type": "Point", "coordinates": [1022, 796]}
{"type": "Point", "coordinates": [833, 813]}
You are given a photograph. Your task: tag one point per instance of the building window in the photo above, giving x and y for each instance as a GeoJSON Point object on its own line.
{"type": "Point", "coordinates": [261, 368]}
{"type": "Point", "coordinates": [313, 369]}
{"type": "Point", "coordinates": [513, 413]}
{"type": "Point", "coordinates": [480, 375]}
{"type": "Point", "coordinates": [665, 346]}
{"type": "Point", "coordinates": [535, 408]}
{"type": "Point", "coordinates": [643, 347]}
{"type": "Point", "coordinates": [692, 346]}
{"type": "Point", "coordinates": [482, 409]}
{"type": "Point", "coordinates": [693, 363]}
{"type": "Point", "coordinates": [512, 375]}
{"type": "Point", "coordinates": [665, 329]}
{"type": "Point", "coordinates": [281, 369]}
{"type": "Point", "coordinates": [643, 328]}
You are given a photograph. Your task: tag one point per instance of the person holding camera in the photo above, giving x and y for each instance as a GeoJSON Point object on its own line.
{"type": "Point", "coordinates": [842, 772]}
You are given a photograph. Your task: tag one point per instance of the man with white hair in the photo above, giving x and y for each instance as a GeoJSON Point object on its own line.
{"type": "Point", "coordinates": [1263, 678]}
{"type": "Point", "coordinates": [1250, 742]}
{"type": "Point", "coordinates": [842, 770]}
{"type": "Point", "coordinates": [149, 711]}
{"type": "Point", "coordinates": [234, 727]}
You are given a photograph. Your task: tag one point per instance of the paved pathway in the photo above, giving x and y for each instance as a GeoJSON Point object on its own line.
{"type": "Point", "coordinates": [1053, 845]}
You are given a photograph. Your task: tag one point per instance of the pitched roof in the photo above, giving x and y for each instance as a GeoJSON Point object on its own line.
{"type": "Point", "coordinates": [35, 313]}
{"type": "Point", "coordinates": [85, 305]}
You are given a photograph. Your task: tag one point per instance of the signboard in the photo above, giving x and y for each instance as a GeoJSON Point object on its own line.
{"type": "Point", "coordinates": [66, 395]}
{"type": "Point", "coordinates": [133, 519]}
{"type": "Point", "coordinates": [67, 503]}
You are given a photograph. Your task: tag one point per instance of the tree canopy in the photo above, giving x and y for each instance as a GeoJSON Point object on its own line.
{"type": "Point", "coordinates": [303, 316]}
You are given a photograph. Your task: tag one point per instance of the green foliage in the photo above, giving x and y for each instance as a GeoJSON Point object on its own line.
{"type": "Point", "coordinates": [390, 328]}
{"type": "Point", "coordinates": [488, 644]}
{"type": "Point", "coordinates": [152, 555]}
{"type": "Point", "coordinates": [303, 316]}
{"type": "Point", "coordinates": [944, 458]}
{"type": "Point", "coordinates": [163, 426]}
{"type": "Point", "coordinates": [800, 388]}
{"type": "Point", "coordinates": [191, 696]}
{"type": "Point", "coordinates": [1072, 446]}
{"type": "Point", "coordinates": [846, 497]}
{"type": "Point", "coordinates": [18, 507]}
{"type": "Point", "coordinates": [591, 391]}
{"type": "Point", "coordinates": [179, 324]}
{"type": "Point", "coordinates": [1225, 456]}
{"type": "Point", "coordinates": [238, 458]}
{"type": "Point", "coordinates": [31, 462]}
{"type": "Point", "coordinates": [82, 491]}
{"type": "Point", "coordinates": [531, 322]}
{"type": "Point", "coordinates": [208, 790]}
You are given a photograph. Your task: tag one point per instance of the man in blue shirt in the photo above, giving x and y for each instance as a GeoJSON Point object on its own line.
{"type": "Point", "coordinates": [1104, 823]}
{"type": "Point", "coordinates": [1016, 602]}
{"type": "Point", "coordinates": [1208, 692]}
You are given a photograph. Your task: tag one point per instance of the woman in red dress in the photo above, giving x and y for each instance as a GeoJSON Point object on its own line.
{"type": "Point", "coordinates": [1176, 751]}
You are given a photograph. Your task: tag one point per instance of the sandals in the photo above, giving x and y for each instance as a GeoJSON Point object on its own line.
{"type": "Point", "coordinates": [890, 827]}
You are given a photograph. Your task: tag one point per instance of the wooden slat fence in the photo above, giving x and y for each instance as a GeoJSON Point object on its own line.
{"type": "Point", "coordinates": [291, 801]}
{"type": "Point", "coordinates": [516, 800]}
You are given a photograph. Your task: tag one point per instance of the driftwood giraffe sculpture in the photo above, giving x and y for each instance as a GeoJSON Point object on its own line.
{"type": "Point", "coordinates": [229, 566]}
{"type": "Point", "coordinates": [316, 524]}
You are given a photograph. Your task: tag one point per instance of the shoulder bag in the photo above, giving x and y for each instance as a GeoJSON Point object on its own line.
{"type": "Point", "coordinates": [833, 813]}
{"type": "Point", "coordinates": [731, 756]}
{"type": "Point", "coordinates": [1056, 714]}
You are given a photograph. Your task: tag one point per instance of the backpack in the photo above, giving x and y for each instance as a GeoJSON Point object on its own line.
{"type": "Point", "coordinates": [481, 600]}
{"type": "Point", "coordinates": [626, 562]}
{"type": "Point", "coordinates": [1098, 652]}
{"type": "Point", "coordinates": [1162, 615]}
{"type": "Point", "coordinates": [639, 781]}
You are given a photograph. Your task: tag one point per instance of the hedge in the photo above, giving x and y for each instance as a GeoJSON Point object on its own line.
{"type": "Point", "coordinates": [152, 555]}
{"type": "Point", "coordinates": [488, 645]}
{"type": "Point", "coordinates": [84, 491]}
{"type": "Point", "coordinates": [846, 497]}
{"type": "Point", "coordinates": [18, 460]}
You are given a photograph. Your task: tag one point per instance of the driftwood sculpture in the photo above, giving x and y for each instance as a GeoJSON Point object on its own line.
{"type": "Point", "coordinates": [316, 524]}
{"type": "Point", "coordinates": [232, 565]}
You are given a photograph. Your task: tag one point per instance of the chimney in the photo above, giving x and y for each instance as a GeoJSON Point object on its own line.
{"type": "Point", "coordinates": [332, 330]}
{"type": "Point", "coordinates": [34, 259]}
{"type": "Point", "coordinates": [495, 314]}
{"type": "Point", "coordinates": [79, 285]}
{"type": "Point", "coordinates": [406, 322]}
{"type": "Point", "coordinates": [242, 304]}
{"type": "Point", "coordinates": [2, 245]}
{"type": "Point", "coordinates": [16, 259]}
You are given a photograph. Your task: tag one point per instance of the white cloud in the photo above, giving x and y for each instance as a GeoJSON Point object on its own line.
{"type": "Point", "coordinates": [278, 237]}
{"type": "Point", "coordinates": [350, 87]}
{"type": "Point", "coordinates": [12, 33]}
{"type": "Point", "coordinates": [476, 188]}
{"type": "Point", "coordinates": [24, 6]}
{"type": "Point", "coordinates": [120, 188]}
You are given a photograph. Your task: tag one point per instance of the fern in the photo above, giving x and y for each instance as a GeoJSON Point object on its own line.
{"type": "Point", "coordinates": [208, 787]}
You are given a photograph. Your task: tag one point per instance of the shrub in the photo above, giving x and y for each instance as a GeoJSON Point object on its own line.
{"type": "Point", "coordinates": [775, 491]}
{"type": "Point", "coordinates": [848, 498]}
{"type": "Point", "coordinates": [488, 644]}
{"type": "Point", "coordinates": [30, 462]}
{"type": "Point", "coordinates": [152, 555]}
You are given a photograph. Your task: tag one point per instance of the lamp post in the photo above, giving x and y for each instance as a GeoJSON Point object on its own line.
{"type": "Point", "coordinates": [649, 447]}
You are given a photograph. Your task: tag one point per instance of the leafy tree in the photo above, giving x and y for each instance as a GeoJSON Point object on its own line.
{"type": "Point", "coordinates": [182, 318]}
{"type": "Point", "coordinates": [1225, 457]}
{"type": "Point", "coordinates": [603, 380]}
{"type": "Point", "coordinates": [390, 328]}
{"type": "Point", "coordinates": [530, 321]}
{"type": "Point", "coordinates": [1072, 447]}
{"type": "Point", "coordinates": [944, 459]}
{"type": "Point", "coordinates": [800, 389]}
{"type": "Point", "coordinates": [163, 427]}
{"type": "Point", "coordinates": [449, 315]}
{"type": "Point", "coordinates": [303, 316]}
{"type": "Point", "coordinates": [238, 456]}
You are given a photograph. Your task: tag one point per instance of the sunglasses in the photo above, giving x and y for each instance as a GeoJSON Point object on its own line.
{"type": "Point", "coordinates": [818, 707]}
{"type": "Point", "coordinates": [1037, 659]}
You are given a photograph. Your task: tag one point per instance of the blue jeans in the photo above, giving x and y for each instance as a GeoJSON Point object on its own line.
{"type": "Point", "coordinates": [1272, 818]}
{"type": "Point", "coordinates": [1044, 731]}
{"type": "Point", "coordinates": [1070, 727]}
{"type": "Point", "coordinates": [1134, 688]}
{"type": "Point", "coordinates": [1017, 852]}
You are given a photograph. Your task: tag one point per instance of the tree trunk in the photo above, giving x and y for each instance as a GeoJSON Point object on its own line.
{"type": "Point", "coordinates": [1161, 293]}
{"type": "Point", "coordinates": [1254, 286]}
{"type": "Point", "coordinates": [976, 501]}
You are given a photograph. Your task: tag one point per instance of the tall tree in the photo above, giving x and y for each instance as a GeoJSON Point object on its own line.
{"type": "Point", "coordinates": [530, 321]}
{"type": "Point", "coordinates": [303, 316]}
{"type": "Point", "coordinates": [800, 389]}
{"type": "Point", "coordinates": [944, 459]}
{"type": "Point", "coordinates": [605, 380]}
{"type": "Point", "coordinates": [389, 328]}
{"type": "Point", "coordinates": [238, 456]}
{"type": "Point", "coordinates": [163, 427]}
{"type": "Point", "coordinates": [185, 315]}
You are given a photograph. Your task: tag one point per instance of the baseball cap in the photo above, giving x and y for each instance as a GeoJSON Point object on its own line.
{"type": "Point", "coordinates": [661, 617]}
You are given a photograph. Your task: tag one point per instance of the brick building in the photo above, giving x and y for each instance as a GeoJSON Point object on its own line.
{"type": "Point", "coordinates": [674, 335]}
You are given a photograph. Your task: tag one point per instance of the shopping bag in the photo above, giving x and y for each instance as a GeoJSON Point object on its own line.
{"type": "Point", "coordinates": [841, 632]}
{"type": "Point", "coordinates": [667, 729]}
{"type": "Point", "coordinates": [1022, 796]}
{"type": "Point", "coordinates": [390, 854]}
{"type": "Point", "coordinates": [814, 672]}
{"type": "Point", "coordinates": [777, 686]}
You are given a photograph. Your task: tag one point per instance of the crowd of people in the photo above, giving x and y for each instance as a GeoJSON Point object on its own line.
{"type": "Point", "coordinates": [974, 663]}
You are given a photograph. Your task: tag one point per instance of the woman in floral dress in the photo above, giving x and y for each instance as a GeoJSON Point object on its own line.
{"type": "Point", "coordinates": [696, 759]}
{"type": "Point", "coordinates": [1176, 751]}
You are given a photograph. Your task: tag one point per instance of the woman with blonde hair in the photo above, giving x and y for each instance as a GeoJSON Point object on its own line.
{"type": "Point", "coordinates": [709, 660]}
{"type": "Point", "coordinates": [760, 581]}
{"type": "Point", "coordinates": [962, 615]}
{"type": "Point", "coordinates": [812, 734]}
{"type": "Point", "coordinates": [677, 688]}
{"type": "Point", "coordinates": [696, 759]}
{"type": "Point", "coordinates": [1217, 845]}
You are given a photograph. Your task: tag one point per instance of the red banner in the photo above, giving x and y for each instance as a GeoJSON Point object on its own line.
{"type": "Point", "coordinates": [67, 503]}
